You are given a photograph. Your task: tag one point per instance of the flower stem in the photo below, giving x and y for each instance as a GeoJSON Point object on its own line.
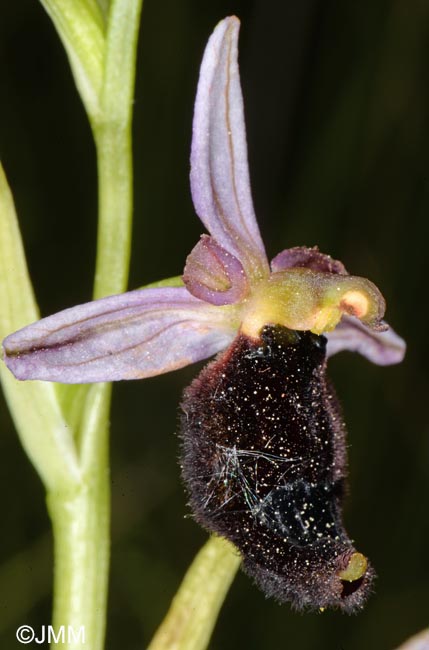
{"type": "Point", "coordinates": [81, 533]}
{"type": "Point", "coordinates": [192, 616]}
{"type": "Point", "coordinates": [81, 564]}
{"type": "Point", "coordinates": [112, 133]}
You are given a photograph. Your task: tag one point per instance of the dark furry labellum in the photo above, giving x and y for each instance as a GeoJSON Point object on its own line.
{"type": "Point", "coordinates": [264, 460]}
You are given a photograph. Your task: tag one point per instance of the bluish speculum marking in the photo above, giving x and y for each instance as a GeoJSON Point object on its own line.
{"type": "Point", "coordinates": [264, 459]}
{"type": "Point", "coordinates": [301, 512]}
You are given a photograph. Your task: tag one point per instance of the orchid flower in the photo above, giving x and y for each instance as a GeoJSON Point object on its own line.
{"type": "Point", "coordinates": [231, 292]}
{"type": "Point", "coordinates": [228, 283]}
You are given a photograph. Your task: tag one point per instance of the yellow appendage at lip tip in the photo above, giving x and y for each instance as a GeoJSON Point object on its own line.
{"type": "Point", "coordinates": [355, 569]}
{"type": "Point", "coordinates": [306, 300]}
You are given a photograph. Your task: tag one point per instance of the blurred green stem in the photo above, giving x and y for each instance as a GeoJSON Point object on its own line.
{"type": "Point", "coordinates": [193, 613]}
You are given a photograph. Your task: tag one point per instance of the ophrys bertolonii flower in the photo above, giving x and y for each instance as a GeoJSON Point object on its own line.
{"type": "Point", "coordinates": [264, 453]}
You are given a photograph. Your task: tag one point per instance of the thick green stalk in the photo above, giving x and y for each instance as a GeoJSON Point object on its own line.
{"type": "Point", "coordinates": [81, 534]}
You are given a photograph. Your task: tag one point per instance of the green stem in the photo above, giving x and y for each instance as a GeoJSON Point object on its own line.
{"type": "Point", "coordinates": [81, 534]}
{"type": "Point", "coordinates": [80, 25]}
{"type": "Point", "coordinates": [113, 140]}
{"type": "Point", "coordinates": [193, 613]}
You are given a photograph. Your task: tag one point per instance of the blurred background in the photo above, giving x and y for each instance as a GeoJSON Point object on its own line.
{"type": "Point", "coordinates": [337, 106]}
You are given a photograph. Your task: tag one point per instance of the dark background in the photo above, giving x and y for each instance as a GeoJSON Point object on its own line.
{"type": "Point", "coordinates": [337, 105]}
